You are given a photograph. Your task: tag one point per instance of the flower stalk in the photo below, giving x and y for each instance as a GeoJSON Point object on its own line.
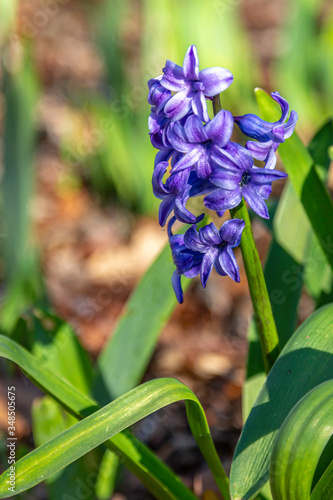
{"type": "Point", "coordinates": [264, 319]}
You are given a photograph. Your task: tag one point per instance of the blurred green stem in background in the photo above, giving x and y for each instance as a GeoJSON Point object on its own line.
{"type": "Point", "coordinates": [22, 274]}
{"type": "Point", "coordinates": [264, 318]}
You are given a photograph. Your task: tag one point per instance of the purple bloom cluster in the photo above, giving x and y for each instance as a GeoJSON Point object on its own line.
{"type": "Point", "coordinates": [201, 159]}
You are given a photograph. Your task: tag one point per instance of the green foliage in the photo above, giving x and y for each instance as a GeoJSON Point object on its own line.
{"type": "Point", "coordinates": [22, 272]}
{"type": "Point", "coordinates": [294, 255]}
{"type": "Point", "coordinates": [158, 479]}
{"type": "Point", "coordinates": [300, 443]}
{"type": "Point", "coordinates": [55, 346]}
{"type": "Point", "coordinates": [145, 314]}
{"type": "Point", "coordinates": [303, 72]}
{"type": "Point", "coordinates": [309, 351]}
{"type": "Point", "coordinates": [305, 179]}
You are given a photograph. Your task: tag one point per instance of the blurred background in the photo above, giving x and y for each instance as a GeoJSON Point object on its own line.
{"type": "Point", "coordinates": [78, 218]}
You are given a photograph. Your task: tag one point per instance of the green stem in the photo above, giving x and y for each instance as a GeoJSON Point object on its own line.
{"type": "Point", "coordinates": [263, 314]}
{"type": "Point", "coordinates": [216, 104]}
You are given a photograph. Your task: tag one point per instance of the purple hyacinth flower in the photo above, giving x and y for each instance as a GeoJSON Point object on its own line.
{"type": "Point", "coordinates": [270, 133]}
{"type": "Point", "coordinates": [187, 262]}
{"type": "Point", "coordinates": [236, 176]}
{"type": "Point", "coordinates": [157, 95]}
{"type": "Point", "coordinates": [216, 247]}
{"type": "Point", "coordinates": [174, 194]}
{"type": "Point", "coordinates": [157, 121]}
{"type": "Point", "coordinates": [197, 141]}
{"type": "Point", "coordinates": [192, 86]}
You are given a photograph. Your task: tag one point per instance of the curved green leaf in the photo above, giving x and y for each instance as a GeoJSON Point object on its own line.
{"type": "Point", "coordinates": [324, 488]}
{"type": "Point", "coordinates": [110, 420]}
{"type": "Point", "coordinates": [157, 478]}
{"type": "Point", "coordinates": [309, 351]}
{"type": "Point", "coordinates": [299, 444]}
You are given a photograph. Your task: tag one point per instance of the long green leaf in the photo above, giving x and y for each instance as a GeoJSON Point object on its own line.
{"type": "Point", "coordinates": [22, 273]}
{"type": "Point", "coordinates": [284, 284]}
{"type": "Point", "coordinates": [125, 358]}
{"type": "Point", "coordinates": [158, 479]}
{"type": "Point", "coordinates": [305, 180]}
{"type": "Point", "coordinates": [55, 345]}
{"type": "Point", "coordinates": [304, 363]}
{"type": "Point", "coordinates": [109, 421]}
{"type": "Point", "coordinates": [300, 442]}
{"type": "Point", "coordinates": [324, 488]}
{"type": "Point", "coordinates": [49, 420]}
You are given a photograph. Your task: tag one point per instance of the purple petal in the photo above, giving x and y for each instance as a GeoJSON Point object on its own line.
{"type": "Point", "coordinates": [193, 241]}
{"type": "Point", "coordinates": [219, 129]}
{"type": "Point", "coordinates": [178, 105]}
{"type": "Point", "coordinates": [177, 138]}
{"type": "Point", "coordinates": [157, 95]}
{"type": "Point", "coordinates": [157, 142]}
{"type": "Point", "coordinates": [265, 175]}
{"type": "Point", "coordinates": [215, 80]}
{"type": "Point", "coordinates": [223, 200]}
{"type": "Point", "coordinates": [189, 159]}
{"type": "Point", "coordinates": [231, 231]}
{"type": "Point", "coordinates": [178, 183]}
{"type": "Point", "coordinates": [199, 186]}
{"type": "Point", "coordinates": [210, 235]}
{"type": "Point", "coordinates": [194, 129]}
{"type": "Point", "coordinates": [218, 268]}
{"type": "Point", "coordinates": [241, 155]}
{"type": "Point", "coordinates": [255, 201]}
{"type": "Point", "coordinates": [191, 63]}
{"type": "Point", "coordinates": [207, 264]}
{"type": "Point", "coordinates": [177, 287]}
{"type": "Point", "coordinates": [165, 209]}
{"type": "Point", "coordinates": [253, 126]}
{"type": "Point", "coordinates": [226, 179]}
{"type": "Point", "coordinates": [203, 167]}
{"type": "Point", "coordinates": [228, 263]}
{"type": "Point", "coordinates": [184, 215]}
{"type": "Point", "coordinates": [290, 125]}
{"type": "Point", "coordinates": [173, 78]}
{"type": "Point", "coordinates": [271, 159]}
{"type": "Point", "coordinates": [153, 122]}
{"type": "Point", "coordinates": [159, 188]}
{"type": "Point", "coordinates": [233, 157]}
{"type": "Point", "coordinates": [284, 106]}
{"type": "Point", "coordinates": [265, 191]}
{"type": "Point", "coordinates": [171, 236]}
{"type": "Point", "coordinates": [164, 155]}
{"type": "Point", "coordinates": [194, 271]}
{"type": "Point", "coordinates": [259, 150]}
{"type": "Point", "coordinates": [199, 106]}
